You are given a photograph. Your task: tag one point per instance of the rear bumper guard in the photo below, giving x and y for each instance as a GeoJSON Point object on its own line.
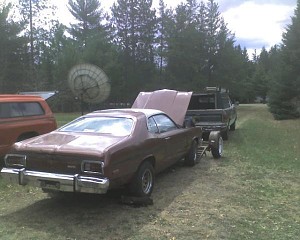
{"type": "Point", "coordinates": [56, 182]}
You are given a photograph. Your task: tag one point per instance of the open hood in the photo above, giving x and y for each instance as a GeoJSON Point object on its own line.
{"type": "Point", "coordinates": [172, 102]}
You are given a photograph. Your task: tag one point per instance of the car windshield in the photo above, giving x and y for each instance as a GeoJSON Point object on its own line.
{"type": "Point", "coordinates": [105, 125]}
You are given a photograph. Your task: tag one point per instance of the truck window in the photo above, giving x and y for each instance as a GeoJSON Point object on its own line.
{"type": "Point", "coordinates": [202, 102]}
{"type": "Point", "coordinates": [20, 109]}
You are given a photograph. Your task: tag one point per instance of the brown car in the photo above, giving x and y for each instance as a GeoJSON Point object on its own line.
{"type": "Point", "coordinates": [23, 117]}
{"type": "Point", "coordinates": [106, 149]}
{"type": "Point", "coordinates": [102, 150]}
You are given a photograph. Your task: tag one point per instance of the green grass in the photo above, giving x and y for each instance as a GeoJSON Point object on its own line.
{"type": "Point", "coordinates": [253, 192]}
{"type": "Point", "coordinates": [265, 168]}
{"type": "Point", "coordinates": [63, 118]}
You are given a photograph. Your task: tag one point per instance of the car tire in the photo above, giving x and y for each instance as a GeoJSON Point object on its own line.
{"type": "Point", "coordinates": [192, 156]}
{"type": "Point", "coordinates": [143, 181]}
{"type": "Point", "coordinates": [217, 148]}
{"type": "Point", "coordinates": [232, 126]}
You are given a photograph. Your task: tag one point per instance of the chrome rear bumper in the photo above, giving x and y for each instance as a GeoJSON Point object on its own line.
{"type": "Point", "coordinates": [56, 182]}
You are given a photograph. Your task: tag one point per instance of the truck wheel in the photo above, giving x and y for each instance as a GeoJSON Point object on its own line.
{"type": "Point", "coordinates": [232, 126]}
{"type": "Point", "coordinates": [192, 157]}
{"type": "Point", "coordinates": [143, 181]}
{"type": "Point", "coordinates": [216, 145]}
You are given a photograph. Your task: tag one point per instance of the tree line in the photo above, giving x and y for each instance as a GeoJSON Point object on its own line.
{"type": "Point", "coordinates": [144, 49]}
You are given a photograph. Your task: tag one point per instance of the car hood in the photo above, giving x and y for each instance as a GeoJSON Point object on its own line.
{"type": "Point", "coordinates": [172, 102]}
{"type": "Point", "coordinates": [63, 142]}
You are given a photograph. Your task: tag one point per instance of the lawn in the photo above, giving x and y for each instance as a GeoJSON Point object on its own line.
{"type": "Point", "coordinates": [63, 118]}
{"type": "Point", "coordinates": [253, 192]}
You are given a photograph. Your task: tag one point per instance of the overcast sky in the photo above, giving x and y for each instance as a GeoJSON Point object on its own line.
{"type": "Point", "coordinates": [255, 23]}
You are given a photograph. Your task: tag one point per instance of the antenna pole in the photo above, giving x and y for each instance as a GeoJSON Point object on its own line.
{"type": "Point", "coordinates": [81, 103]}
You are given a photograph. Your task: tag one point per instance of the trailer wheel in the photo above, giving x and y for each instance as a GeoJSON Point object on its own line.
{"type": "Point", "coordinates": [216, 144]}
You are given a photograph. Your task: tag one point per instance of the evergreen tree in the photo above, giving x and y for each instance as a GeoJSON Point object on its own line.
{"type": "Point", "coordinates": [161, 36]}
{"type": "Point", "coordinates": [12, 54]}
{"type": "Point", "coordinates": [262, 76]}
{"type": "Point", "coordinates": [88, 14]}
{"type": "Point", "coordinates": [218, 39]}
{"type": "Point", "coordinates": [38, 18]}
{"type": "Point", "coordinates": [185, 47]}
{"type": "Point", "coordinates": [199, 46]}
{"type": "Point", "coordinates": [134, 24]}
{"type": "Point", "coordinates": [285, 92]}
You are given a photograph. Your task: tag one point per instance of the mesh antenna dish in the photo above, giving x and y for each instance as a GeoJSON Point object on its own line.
{"type": "Point", "coordinates": [89, 83]}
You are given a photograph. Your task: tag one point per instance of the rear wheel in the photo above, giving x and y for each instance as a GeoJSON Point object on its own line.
{"type": "Point", "coordinates": [143, 181]}
{"type": "Point", "coordinates": [192, 157]}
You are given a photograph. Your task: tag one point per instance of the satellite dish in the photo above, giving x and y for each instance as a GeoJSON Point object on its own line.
{"type": "Point", "coordinates": [89, 83]}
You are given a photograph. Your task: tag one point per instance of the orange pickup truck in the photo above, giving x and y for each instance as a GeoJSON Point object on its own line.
{"type": "Point", "coordinates": [22, 117]}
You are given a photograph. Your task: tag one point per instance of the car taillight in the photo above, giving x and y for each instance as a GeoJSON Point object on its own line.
{"type": "Point", "coordinates": [92, 166]}
{"type": "Point", "coordinates": [15, 160]}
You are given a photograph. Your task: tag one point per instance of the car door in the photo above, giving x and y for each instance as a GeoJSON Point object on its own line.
{"type": "Point", "coordinates": [175, 138]}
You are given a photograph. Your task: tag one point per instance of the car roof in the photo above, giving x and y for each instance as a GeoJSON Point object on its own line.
{"type": "Point", "coordinates": [43, 94]}
{"type": "Point", "coordinates": [17, 97]}
{"type": "Point", "coordinates": [130, 111]}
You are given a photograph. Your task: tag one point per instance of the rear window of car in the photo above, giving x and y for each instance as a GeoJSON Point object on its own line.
{"type": "Point", "coordinates": [106, 125]}
{"type": "Point", "coordinates": [20, 109]}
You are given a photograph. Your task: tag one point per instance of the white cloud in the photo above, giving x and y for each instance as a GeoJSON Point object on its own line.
{"type": "Point", "coordinates": [258, 23]}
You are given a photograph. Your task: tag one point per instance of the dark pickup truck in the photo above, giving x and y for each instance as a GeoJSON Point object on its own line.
{"type": "Point", "coordinates": [212, 110]}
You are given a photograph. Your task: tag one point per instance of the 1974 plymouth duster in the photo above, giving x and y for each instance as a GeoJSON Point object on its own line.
{"type": "Point", "coordinates": [107, 149]}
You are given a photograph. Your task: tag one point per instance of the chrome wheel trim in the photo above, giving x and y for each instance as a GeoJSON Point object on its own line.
{"type": "Point", "coordinates": [195, 154]}
{"type": "Point", "coordinates": [147, 181]}
{"type": "Point", "coordinates": [220, 146]}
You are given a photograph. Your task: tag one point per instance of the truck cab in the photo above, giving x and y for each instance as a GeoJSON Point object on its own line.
{"type": "Point", "coordinates": [212, 110]}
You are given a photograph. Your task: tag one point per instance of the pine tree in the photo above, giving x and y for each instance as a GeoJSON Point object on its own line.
{"type": "Point", "coordinates": [134, 24]}
{"type": "Point", "coordinates": [37, 20]}
{"type": "Point", "coordinates": [89, 15]}
{"type": "Point", "coordinates": [285, 92]}
{"type": "Point", "coordinates": [13, 53]}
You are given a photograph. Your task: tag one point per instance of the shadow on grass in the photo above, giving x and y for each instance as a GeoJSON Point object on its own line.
{"type": "Point", "coordinates": [88, 216]}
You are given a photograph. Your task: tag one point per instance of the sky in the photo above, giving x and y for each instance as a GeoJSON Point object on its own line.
{"type": "Point", "coordinates": [255, 23]}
